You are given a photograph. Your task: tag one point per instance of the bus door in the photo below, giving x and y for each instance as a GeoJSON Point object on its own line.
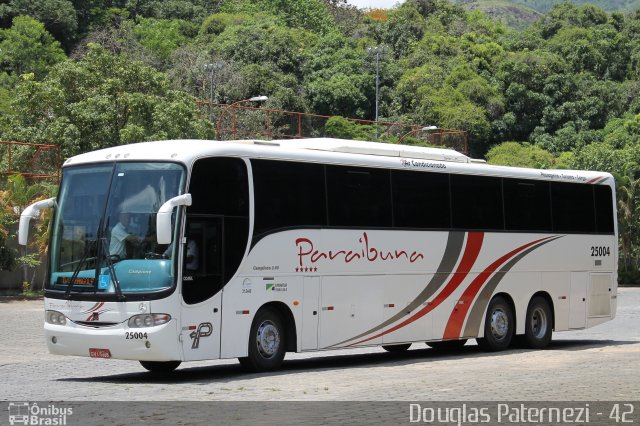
{"type": "Point", "coordinates": [202, 280]}
{"type": "Point", "coordinates": [310, 313]}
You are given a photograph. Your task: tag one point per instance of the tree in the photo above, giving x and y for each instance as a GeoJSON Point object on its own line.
{"type": "Point", "coordinates": [628, 191]}
{"type": "Point", "coordinates": [100, 101]}
{"type": "Point", "coordinates": [340, 127]}
{"type": "Point", "coordinates": [17, 195]}
{"type": "Point", "coordinates": [28, 48]}
{"type": "Point", "coordinates": [58, 16]}
{"type": "Point", "coordinates": [520, 155]}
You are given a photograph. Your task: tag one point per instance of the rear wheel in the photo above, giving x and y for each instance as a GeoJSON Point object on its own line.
{"type": "Point", "coordinates": [396, 348]}
{"type": "Point", "coordinates": [538, 325]}
{"type": "Point", "coordinates": [499, 325]}
{"type": "Point", "coordinates": [160, 366]}
{"type": "Point", "coordinates": [447, 345]}
{"type": "Point", "coordinates": [266, 342]}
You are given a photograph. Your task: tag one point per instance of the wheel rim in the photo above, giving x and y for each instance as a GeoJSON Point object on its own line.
{"type": "Point", "coordinates": [539, 323]}
{"type": "Point", "coordinates": [499, 324]}
{"type": "Point", "coordinates": [268, 339]}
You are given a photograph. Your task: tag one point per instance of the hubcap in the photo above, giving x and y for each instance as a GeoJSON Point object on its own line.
{"type": "Point", "coordinates": [499, 324]}
{"type": "Point", "coordinates": [539, 323]}
{"type": "Point", "coordinates": [268, 339]}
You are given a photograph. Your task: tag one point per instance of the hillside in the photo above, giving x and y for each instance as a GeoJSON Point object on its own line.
{"type": "Point", "coordinates": [511, 13]}
{"type": "Point", "coordinates": [520, 13]}
{"type": "Point", "coordinates": [607, 5]}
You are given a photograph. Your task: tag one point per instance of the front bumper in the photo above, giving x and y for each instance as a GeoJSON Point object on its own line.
{"type": "Point", "coordinates": [158, 343]}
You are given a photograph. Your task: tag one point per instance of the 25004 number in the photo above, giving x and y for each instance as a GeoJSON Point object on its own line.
{"type": "Point", "coordinates": [135, 335]}
{"type": "Point", "coordinates": [600, 251]}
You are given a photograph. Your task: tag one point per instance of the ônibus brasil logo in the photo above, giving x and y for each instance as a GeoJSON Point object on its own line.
{"type": "Point", "coordinates": [24, 413]}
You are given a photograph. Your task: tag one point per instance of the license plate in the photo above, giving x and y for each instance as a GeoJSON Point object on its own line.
{"type": "Point", "coordinates": [99, 353]}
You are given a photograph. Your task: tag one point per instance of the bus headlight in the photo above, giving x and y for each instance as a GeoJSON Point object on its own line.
{"type": "Point", "coordinates": [55, 317]}
{"type": "Point", "coordinates": [148, 320]}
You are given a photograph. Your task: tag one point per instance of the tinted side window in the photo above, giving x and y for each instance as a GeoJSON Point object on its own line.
{"type": "Point", "coordinates": [476, 202]}
{"type": "Point", "coordinates": [604, 209]}
{"type": "Point", "coordinates": [288, 194]}
{"type": "Point", "coordinates": [527, 205]}
{"type": "Point", "coordinates": [221, 187]}
{"type": "Point", "coordinates": [573, 207]}
{"type": "Point", "coordinates": [420, 200]}
{"type": "Point", "coordinates": [359, 196]}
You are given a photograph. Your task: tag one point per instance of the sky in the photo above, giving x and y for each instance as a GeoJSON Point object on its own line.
{"type": "Point", "coordinates": [374, 4]}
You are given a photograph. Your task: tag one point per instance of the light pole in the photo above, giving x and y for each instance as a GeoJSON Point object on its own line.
{"type": "Point", "coordinates": [211, 68]}
{"type": "Point", "coordinates": [260, 98]}
{"type": "Point", "coordinates": [414, 131]}
{"type": "Point", "coordinates": [378, 51]}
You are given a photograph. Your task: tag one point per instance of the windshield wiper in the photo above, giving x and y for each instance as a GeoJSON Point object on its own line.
{"type": "Point", "coordinates": [80, 262]}
{"type": "Point", "coordinates": [102, 250]}
{"type": "Point", "coordinates": [112, 270]}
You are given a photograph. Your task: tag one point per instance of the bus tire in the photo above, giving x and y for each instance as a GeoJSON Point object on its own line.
{"type": "Point", "coordinates": [160, 366]}
{"type": "Point", "coordinates": [266, 342]}
{"type": "Point", "coordinates": [538, 324]}
{"type": "Point", "coordinates": [396, 348]}
{"type": "Point", "coordinates": [499, 326]}
{"type": "Point", "coordinates": [447, 345]}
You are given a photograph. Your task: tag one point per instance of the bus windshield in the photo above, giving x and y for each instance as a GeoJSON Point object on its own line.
{"type": "Point", "coordinates": [103, 235]}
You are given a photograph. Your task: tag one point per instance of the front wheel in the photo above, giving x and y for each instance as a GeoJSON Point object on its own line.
{"type": "Point", "coordinates": [266, 342]}
{"type": "Point", "coordinates": [160, 366]}
{"type": "Point", "coordinates": [498, 326]}
{"type": "Point", "coordinates": [538, 326]}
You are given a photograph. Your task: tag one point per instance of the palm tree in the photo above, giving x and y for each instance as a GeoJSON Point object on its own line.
{"type": "Point", "coordinates": [628, 182]}
{"type": "Point", "coordinates": [19, 194]}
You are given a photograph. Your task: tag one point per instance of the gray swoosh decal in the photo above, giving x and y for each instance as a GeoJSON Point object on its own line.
{"type": "Point", "coordinates": [474, 321]}
{"type": "Point", "coordinates": [449, 259]}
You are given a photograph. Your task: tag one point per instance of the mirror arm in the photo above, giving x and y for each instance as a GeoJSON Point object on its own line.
{"type": "Point", "coordinates": [163, 222]}
{"type": "Point", "coordinates": [29, 213]}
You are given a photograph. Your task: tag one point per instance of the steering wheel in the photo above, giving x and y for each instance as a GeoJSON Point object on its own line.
{"type": "Point", "coordinates": [151, 255]}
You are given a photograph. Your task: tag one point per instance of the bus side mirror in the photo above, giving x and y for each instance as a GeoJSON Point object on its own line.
{"type": "Point", "coordinates": [163, 222]}
{"type": "Point", "coordinates": [29, 213]}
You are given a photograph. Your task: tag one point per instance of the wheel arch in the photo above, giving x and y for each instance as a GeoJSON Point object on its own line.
{"type": "Point", "coordinates": [288, 321]}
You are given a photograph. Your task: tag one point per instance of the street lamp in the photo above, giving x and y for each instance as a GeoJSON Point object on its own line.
{"type": "Point", "coordinates": [211, 68]}
{"type": "Point", "coordinates": [378, 51]}
{"type": "Point", "coordinates": [260, 98]}
{"type": "Point", "coordinates": [414, 131]}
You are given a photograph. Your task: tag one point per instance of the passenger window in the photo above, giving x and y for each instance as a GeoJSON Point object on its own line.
{"type": "Point", "coordinates": [288, 194]}
{"type": "Point", "coordinates": [476, 202]}
{"type": "Point", "coordinates": [573, 207]}
{"type": "Point", "coordinates": [359, 197]}
{"type": "Point", "coordinates": [604, 209]}
{"type": "Point", "coordinates": [420, 200]}
{"type": "Point", "coordinates": [527, 205]}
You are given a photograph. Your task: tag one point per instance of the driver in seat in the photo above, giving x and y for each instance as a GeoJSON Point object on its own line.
{"type": "Point", "coordinates": [120, 236]}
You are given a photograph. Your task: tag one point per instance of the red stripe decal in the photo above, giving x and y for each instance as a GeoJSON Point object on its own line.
{"type": "Point", "coordinates": [459, 312]}
{"type": "Point", "coordinates": [594, 179]}
{"type": "Point", "coordinates": [471, 252]}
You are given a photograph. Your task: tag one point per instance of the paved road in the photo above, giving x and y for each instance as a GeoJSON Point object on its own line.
{"type": "Point", "coordinates": [602, 363]}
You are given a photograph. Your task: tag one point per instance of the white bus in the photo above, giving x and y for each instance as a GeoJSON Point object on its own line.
{"type": "Point", "coordinates": [185, 250]}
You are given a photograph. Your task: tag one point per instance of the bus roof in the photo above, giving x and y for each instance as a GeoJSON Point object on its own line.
{"type": "Point", "coordinates": [329, 150]}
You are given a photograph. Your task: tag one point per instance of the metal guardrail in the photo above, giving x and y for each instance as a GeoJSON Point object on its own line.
{"type": "Point", "coordinates": [236, 121]}
{"type": "Point", "coordinates": [32, 160]}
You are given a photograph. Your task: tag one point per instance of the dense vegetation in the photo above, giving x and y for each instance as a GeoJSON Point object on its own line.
{"type": "Point", "coordinates": [562, 92]}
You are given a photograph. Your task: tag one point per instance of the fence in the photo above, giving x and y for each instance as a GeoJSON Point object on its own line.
{"type": "Point", "coordinates": [234, 121]}
{"type": "Point", "coordinates": [32, 160]}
